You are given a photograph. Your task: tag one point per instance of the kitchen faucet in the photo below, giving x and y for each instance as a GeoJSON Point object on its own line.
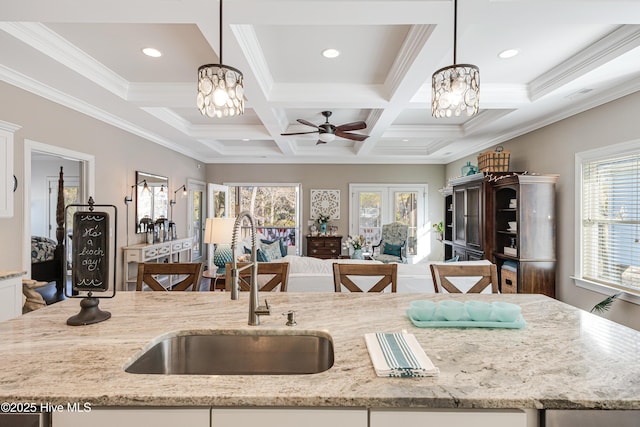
{"type": "Point", "coordinates": [255, 310]}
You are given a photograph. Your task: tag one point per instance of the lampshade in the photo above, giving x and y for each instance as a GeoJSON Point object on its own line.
{"type": "Point", "coordinates": [456, 88]}
{"type": "Point", "coordinates": [326, 137]}
{"type": "Point", "coordinates": [220, 87]}
{"type": "Point", "coordinates": [219, 230]}
{"type": "Point", "coordinates": [456, 91]}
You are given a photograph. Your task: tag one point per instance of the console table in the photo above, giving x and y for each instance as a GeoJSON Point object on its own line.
{"type": "Point", "coordinates": [179, 250]}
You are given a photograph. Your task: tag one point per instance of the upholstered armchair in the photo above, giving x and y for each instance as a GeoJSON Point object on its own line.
{"type": "Point", "coordinates": [393, 243]}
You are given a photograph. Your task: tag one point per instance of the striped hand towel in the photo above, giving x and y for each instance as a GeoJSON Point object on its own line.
{"type": "Point", "coordinates": [398, 355]}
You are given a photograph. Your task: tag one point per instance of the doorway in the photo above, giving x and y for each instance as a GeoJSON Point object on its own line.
{"type": "Point", "coordinates": [39, 160]}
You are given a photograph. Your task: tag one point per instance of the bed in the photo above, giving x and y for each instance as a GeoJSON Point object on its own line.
{"type": "Point", "coordinates": [47, 255]}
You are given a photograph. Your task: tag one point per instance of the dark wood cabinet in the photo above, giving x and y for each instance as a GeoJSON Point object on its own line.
{"type": "Point", "coordinates": [470, 206]}
{"type": "Point", "coordinates": [525, 231]}
{"type": "Point", "coordinates": [478, 212]}
{"type": "Point", "coordinates": [325, 247]}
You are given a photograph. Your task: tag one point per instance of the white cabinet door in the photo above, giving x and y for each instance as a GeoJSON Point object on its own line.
{"type": "Point", "coordinates": [280, 417]}
{"type": "Point", "coordinates": [10, 298]}
{"type": "Point", "coordinates": [449, 418]}
{"type": "Point", "coordinates": [122, 417]}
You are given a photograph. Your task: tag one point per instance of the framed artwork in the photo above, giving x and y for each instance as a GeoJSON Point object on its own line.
{"type": "Point", "coordinates": [325, 202]}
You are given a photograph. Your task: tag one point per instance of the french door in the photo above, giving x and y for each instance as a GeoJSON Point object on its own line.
{"type": "Point", "coordinates": [373, 205]}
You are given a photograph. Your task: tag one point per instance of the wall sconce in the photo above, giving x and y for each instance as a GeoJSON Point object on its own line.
{"type": "Point", "coordinates": [128, 199]}
{"type": "Point", "coordinates": [173, 201]}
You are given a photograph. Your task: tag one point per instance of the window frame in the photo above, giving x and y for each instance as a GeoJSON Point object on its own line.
{"type": "Point", "coordinates": [602, 153]}
{"type": "Point", "coordinates": [297, 185]}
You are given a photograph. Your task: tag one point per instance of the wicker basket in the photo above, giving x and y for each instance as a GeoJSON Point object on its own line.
{"type": "Point", "coordinates": [494, 161]}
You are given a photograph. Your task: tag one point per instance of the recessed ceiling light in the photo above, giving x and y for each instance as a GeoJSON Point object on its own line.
{"type": "Point", "coordinates": [331, 53]}
{"type": "Point", "coordinates": [154, 53]}
{"type": "Point", "coordinates": [509, 53]}
{"type": "Point", "coordinates": [405, 140]}
{"type": "Point", "coordinates": [246, 139]}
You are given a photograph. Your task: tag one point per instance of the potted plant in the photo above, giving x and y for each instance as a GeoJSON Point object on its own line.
{"type": "Point", "coordinates": [356, 242]}
{"type": "Point", "coordinates": [439, 229]}
{"type": "Point", "coordinates": [323, 220]}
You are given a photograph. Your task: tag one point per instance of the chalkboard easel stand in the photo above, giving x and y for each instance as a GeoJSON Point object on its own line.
{"type": "Point", "coordinates": [89, 312]}
{"type": "Point", "coordinates": [90, 267]}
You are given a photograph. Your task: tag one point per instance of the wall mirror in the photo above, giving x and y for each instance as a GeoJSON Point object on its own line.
{"type": "Point", "coordinates": [152, 199]}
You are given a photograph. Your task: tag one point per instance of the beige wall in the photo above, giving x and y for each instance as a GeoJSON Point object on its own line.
{"type": "Point", "coordinates": [118, 154]}
{"type": "Point", "coordinates": [338, 177]}
{"type": "Point", "coordinates": [552, 150]}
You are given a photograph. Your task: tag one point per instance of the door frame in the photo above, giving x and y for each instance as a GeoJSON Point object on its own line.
{"type": "Point", "coordinates": [87, 185]}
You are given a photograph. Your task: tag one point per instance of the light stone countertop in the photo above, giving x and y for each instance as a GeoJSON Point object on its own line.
{"type": "Point", "coordinates": [9, 274]}
{"type": "Point", "coordinates": [563, 358]}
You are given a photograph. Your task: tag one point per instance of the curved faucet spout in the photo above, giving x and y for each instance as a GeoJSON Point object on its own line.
{"type": "Point", "coordinates": [254, 309]}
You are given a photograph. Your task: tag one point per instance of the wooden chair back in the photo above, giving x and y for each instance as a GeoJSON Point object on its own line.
{"type": "Point", "coordinates": [441, 273]}
{"type": "Point", "coordinates": [148, 272]}
{"type": "Point", "coordinates": [279, 271]}
{"type": "Point", "coordinates": [388, 273]}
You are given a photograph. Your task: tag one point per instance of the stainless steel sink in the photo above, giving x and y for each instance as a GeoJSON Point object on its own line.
{"type": "Point", "coordinates": [238, 352]}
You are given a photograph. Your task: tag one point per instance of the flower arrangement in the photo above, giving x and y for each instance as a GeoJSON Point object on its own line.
{"type": "Point", "coordinates": [356, 242]}
{"type": "Point", "coordinates": [323, 219]}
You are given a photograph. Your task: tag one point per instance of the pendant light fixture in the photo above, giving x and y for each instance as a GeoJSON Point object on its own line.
{"type": "Point", "coordinates": [456, 88]}
{"type": "Point", "coordinates": [220, 87]}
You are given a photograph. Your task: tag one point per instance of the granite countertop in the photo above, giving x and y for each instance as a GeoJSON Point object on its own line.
{"type": "Point", "coordinates": [9, 274]}
{"type": "Point", "coordinates": [563, 358]}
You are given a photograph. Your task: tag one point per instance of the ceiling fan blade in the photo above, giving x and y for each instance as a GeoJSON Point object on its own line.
{"type": "Point", "coordinates": [320, 142]}
{"type": "Point", "coordinates": [299, 133]}
{"type": "Point", "coordinates": [352, 126]}
{"type": "Point", "coordinates": [351, 136]}
{"type": "Point", "coordinates": [305, 122]}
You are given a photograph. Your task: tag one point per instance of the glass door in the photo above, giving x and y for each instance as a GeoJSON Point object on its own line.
{"type": "Point", "coordinates": [373, 205]}
{"type": "Point", "coordinates": [218, 207]}
{"type": "Point", "coordinates": [197, 215]}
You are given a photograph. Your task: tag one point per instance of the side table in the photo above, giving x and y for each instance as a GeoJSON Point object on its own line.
{"type": "Point", "coordinates": [217, 281]}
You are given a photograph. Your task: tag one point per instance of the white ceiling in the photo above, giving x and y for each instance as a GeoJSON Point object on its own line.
{"type": "Point", "coordinates": [574, 55]}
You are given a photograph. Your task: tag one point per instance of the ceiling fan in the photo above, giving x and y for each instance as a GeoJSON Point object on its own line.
{"type": "Point", "coordinates": [328, 132]}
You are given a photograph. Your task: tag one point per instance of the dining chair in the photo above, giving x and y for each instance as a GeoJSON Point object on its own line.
{"type": "Point", "coordinates": [479, 277]}
{"type": "Point", "coordinates": [278, 270]}
{"type": "Point", "coordinates": [187, 275]}
{"type": "Point", "coordinates": [342, 274]}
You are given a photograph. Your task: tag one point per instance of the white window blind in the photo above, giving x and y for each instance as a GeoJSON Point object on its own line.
{"type": "Point", "coordinates": [611, 221]}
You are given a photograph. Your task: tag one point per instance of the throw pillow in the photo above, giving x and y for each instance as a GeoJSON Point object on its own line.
{"type": "Point", "coordinates": [261, 256]}
{"type": "Point", "coordinates": [271, 250]}
{"type": "Point", "coordinates": [283, 247]}
{"type": "Point", "coordinates": [454, 259]}
{"type": "Point", "coordinates": [395, 250]}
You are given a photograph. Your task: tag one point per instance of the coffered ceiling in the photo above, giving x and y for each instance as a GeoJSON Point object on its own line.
{"type": "Point", "coordinates": [86, 55]}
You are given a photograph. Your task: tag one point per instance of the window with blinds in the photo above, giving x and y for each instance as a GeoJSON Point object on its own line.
{"type": "Point", "coordinates": [610, 234]}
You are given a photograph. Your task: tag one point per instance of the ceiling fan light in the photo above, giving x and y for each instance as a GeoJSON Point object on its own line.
{"type": "Point", "coordinates": [326, 137]}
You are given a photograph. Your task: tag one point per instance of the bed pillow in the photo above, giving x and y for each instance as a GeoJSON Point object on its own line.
{"type": "Point", "coordinates": [271, 250]}
{"type": "Point", "coordinates": [261, 256]}
{"type": "Point", "coordinates": [395, 250]}
{"type": "Point", "coordinates": [281, 244]}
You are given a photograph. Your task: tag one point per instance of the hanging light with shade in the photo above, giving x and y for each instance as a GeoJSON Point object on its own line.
{"type": "Point", "coordinates": [456, 88]}
{"type": "Point", "coordinates": [220, 87]}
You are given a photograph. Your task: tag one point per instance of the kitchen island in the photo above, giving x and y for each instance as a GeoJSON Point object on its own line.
{"type": "Point", "coordinates": [564, 358]}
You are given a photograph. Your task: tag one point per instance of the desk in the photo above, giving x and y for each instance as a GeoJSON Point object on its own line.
{"type": "Point", "coordinates": [217, 280]}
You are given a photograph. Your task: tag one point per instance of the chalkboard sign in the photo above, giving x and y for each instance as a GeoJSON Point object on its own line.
{"type": "Point", "coordinates": [90, 264]}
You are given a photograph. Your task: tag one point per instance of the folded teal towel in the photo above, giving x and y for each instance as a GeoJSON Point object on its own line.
{"type": "Point", "coordinates": [398, 355]}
